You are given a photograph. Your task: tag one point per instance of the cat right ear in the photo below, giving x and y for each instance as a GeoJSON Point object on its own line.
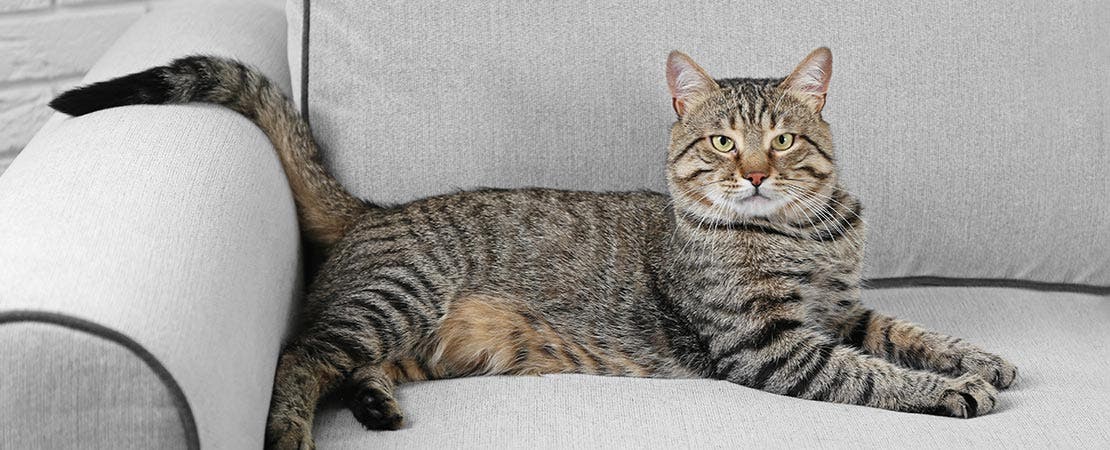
{"type": "Point", "coordinates": [687, 81]}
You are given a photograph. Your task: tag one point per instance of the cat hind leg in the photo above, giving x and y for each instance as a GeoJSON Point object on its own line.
{"type": "Point", "coordinates": [370, 398]}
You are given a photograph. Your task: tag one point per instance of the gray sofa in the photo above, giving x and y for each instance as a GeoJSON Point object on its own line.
{"type": "Point", "coordinates": [150, 261]}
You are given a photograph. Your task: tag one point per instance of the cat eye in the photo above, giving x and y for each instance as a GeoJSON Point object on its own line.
{"type": "Point", "coordinates": [782, 141]}
{"type": "Point", "coordinates": [722, 144]}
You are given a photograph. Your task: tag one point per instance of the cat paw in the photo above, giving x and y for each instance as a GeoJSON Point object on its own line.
{"type": "Point", "coordinates": [992, 368]}
{"type": "Point", "coordinates": [288, 433]}
{"type": "Point", "coordinates": [375, 409]}
{"type": "Point", "coordinates": [966, 397]}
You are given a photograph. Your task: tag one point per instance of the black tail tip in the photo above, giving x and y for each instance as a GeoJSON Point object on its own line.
{"type": "Point", "coordinates": [146, 87]}
{"type": "Point", "coordinates": [75, 102]}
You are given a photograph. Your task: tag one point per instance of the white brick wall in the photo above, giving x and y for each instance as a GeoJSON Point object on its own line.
{"type": "Point", "coordinates": [46, 46]}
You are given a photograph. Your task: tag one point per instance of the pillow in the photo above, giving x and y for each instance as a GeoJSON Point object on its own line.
{"type": "Point", "coordinates": [974, 135]}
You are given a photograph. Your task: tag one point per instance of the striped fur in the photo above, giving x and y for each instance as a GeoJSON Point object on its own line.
{"type": "Point", "coordinates": [696, 283]}
{"type": "Point", "coordinates": [325, 209]}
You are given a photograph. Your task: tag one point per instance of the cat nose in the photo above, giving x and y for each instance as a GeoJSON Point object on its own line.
{"type": "Point", "coordinates": [756, 178]}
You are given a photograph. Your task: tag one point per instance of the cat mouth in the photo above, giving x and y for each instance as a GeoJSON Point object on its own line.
{"type": "Point", "coordinates": [755, 198]}
{"type": "Point", "coordinates": [739, 197]}
{"type": "Point", "coordinates": [755, 204]}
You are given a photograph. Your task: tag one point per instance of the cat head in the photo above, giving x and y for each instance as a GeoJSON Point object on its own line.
{"type": "Point", "coordinates": [745, 150]}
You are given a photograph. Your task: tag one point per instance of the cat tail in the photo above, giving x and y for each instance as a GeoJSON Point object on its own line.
{"type": "Point", "coordinates": [326, 210]}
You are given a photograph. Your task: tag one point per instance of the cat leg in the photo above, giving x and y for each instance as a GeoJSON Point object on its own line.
{"type": "Point", "coordinates": [305, 373]}
{"type": "Point", "coordinates": [370, 398]}
{"type": "Point", "coordinates": [348, 335]}
{"type": "Point", "coordinates": [785, 358]}
{"type": "Point", "coordinates": [912, 346]}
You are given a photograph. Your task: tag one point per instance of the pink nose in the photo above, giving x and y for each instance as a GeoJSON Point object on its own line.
{"type": "Point", "coordinates": [756, 178]}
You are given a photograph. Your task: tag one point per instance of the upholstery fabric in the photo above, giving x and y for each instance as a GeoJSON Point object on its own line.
{"type": "Point", "coordinates": [1058, 341]}
{"type": "Point", "coordinates": [974, 134]}
{"type": "Point", "coordinates": [64, 387]}
{"type": "Point", "coordinates": [172, 225]}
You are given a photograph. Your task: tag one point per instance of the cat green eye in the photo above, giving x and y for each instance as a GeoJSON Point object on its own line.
{"type": "Point", "coordinates": [782, 141]}
{"type": "Point", "coordinates": [722, 144]}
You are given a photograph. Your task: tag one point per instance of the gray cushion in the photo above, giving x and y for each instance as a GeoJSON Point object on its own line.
{"type": "Point", "coordinates": [974, 134]}
{"type": "Point", "coordinates": [1058, 341]}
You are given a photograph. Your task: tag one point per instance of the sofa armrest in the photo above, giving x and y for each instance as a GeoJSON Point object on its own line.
{"type": "Point", "coordinates": [156, 237]}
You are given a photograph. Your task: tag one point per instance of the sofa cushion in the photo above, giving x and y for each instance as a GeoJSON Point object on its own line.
{"type": "Point", "coordinates": [1058, 341]}
{"type": "Point", "coordinates": [974, 134]}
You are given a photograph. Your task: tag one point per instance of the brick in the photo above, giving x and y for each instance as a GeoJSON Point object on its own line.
{"type": "Point", "coordinates": [65, 84]}
{"type": "Point", "coordinates": [23, 5]}
{"type": "Point", "coordinates": [82, 2]}
{"type": "Point", "coordinates": [60, 44]}
{"type": "Point", "coordinates": [23, 110]}
{"type": "Point", "coordinates": [5, 161]}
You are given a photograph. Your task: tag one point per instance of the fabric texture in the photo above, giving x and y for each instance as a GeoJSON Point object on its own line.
{"type": "Point", "coordinates": [975, 135]}
{"type": "Point", "coordinates": [173, 225]}
{"type": "Point", "coordinates": [1058, 341]}
{"type": "Point", "coordinates": [64, 388]}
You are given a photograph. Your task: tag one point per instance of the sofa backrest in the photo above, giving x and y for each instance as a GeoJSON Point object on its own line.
{"type": "Point", "coordinates": [974, 133]}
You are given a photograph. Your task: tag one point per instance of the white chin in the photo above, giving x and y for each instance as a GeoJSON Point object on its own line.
{"type": "Point", "coordinates": [753, 206]}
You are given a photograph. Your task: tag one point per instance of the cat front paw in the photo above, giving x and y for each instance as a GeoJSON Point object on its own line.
{"type": "Point", "coordinates": [967, 396]}
{"type": "Point", "coordinates": [288, 433]}
{"type": "Point", "coordinates": [999, 372]}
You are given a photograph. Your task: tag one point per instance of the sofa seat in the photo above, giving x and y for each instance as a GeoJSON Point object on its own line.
{"type": "Point", "coordinates": [1058, 340]}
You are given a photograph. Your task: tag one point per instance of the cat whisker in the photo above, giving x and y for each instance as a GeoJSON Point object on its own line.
{"type": "Point", "coordinates": [817, 183]}
{"type": "Point", "coordinates": [814, 200]}
{"type": "Point", "coordinates": [837, 211]}
{"type": "Point", "coordinates": [814, 210]}
{"type": "Point", "coordinates": [814, 205]}
{"type": "Point", "coordinates": [801, 212]}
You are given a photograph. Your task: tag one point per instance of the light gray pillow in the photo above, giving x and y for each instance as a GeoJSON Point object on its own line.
{"type": "Point", "coordinates": [974, 134]}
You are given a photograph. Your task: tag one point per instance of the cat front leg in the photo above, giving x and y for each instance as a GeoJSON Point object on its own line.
{"type": "Point", "coordinates": [915, 347]}
{"type": "Point", "coordinates": [787, 358]}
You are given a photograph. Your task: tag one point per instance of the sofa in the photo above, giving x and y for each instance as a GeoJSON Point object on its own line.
{"type": "Point", "coordinates": [151, 265]}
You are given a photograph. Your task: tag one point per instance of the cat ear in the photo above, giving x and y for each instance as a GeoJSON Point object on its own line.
{"type": "Point", "coordinates": [687, 81]}
{"type": "Point", "coordinates": [811, 78]}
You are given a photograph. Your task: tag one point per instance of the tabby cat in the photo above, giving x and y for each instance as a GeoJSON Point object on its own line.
{"type": "Point", "coordinates": [749, 271]}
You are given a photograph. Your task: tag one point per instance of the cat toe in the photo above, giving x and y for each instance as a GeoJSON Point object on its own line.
{"type": "Point", "coordinates": [967, 397]}
{"type": "Point", "coordinates": [999, 372]}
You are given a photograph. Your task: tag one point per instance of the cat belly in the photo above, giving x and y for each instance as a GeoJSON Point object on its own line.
{"type": "Point", "coordinates": [496, 335]}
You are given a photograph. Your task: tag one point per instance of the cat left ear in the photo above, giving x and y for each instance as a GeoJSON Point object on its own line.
{"type": "Point", "coordinates": [810, 80]}
{"type": "Point", "coordinates": [687, 81]}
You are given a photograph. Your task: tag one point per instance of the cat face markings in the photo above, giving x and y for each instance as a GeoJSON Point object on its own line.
{"type": "Point", "coordinates": [776, 165]}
